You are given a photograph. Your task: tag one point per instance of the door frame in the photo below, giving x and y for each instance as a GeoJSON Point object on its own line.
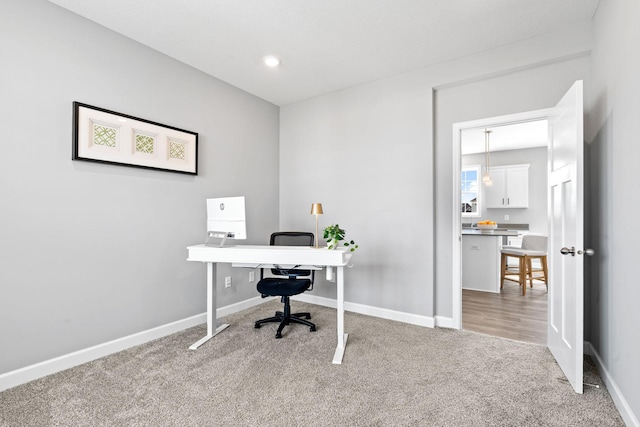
{"type": "Point", "coordinates": [456, 237]}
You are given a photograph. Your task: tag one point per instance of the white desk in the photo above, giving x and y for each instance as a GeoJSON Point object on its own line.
{"type": "Point", "coordinates": [258, 255]}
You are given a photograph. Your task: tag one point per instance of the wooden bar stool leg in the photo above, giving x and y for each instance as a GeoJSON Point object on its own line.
{"type": "Point", "coordinates": [530, 271]}
{"type": "Point", "coordinates": [523, 274]}
{"type": "Point", "coordinates": [543, 261]}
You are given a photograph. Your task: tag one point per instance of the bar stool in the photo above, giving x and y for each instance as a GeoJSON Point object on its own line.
{"type": "Point", "coordinates": [533, 247]}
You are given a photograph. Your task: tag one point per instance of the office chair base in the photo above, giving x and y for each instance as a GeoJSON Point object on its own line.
{"type": "Point", "coordinates": [285, 319]}
{"type": "Point", "coordinates": [306, 315]}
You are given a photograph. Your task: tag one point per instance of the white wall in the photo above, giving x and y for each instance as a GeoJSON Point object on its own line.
{"type": "Point", "coordinates": [368, 154]}
{"type": "Point", "coordinates": [91, 252]}
{"type": "Point", "coordinates": [365, 155]}
{"type": "Point", "coordinates": [613, 148]}
{"type": "Point", "coordinates": [536, 214]}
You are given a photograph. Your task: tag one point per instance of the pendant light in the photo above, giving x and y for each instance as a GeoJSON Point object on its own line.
{"type": "Point", "coordinates": [486, 176]}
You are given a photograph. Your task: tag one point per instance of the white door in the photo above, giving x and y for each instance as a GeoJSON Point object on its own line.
{"type": "Point", "coordinates": [566, 292]}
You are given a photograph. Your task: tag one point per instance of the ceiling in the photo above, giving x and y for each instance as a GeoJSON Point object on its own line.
{"type": "Point", "coordinates": [512, 136]}
{"type": "Point", "coordinates": [325, 45]}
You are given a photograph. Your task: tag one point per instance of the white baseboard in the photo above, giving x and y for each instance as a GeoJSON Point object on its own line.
{"type": "Point", "coordinates": [38, 370]}
{"type": "Point", "coordinates": [445, 322]}
{"type": "Point", "coordinates": [383, 313]}
{"type": "Point", "coordinates": [621, 403]}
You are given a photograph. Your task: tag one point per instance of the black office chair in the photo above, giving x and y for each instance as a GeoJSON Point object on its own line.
{"type": "Point", "coordinates": [294, 282]}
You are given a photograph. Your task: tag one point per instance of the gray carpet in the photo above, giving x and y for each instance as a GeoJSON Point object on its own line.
{"type": "Point", "coordinates": [393, 374]}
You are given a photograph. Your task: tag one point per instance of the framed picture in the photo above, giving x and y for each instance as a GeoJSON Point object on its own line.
{"type": "Point", "coordinates": [105, 136]}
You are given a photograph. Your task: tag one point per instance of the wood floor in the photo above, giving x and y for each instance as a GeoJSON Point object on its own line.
{"type": "Point", "coordinates": [508, 314]}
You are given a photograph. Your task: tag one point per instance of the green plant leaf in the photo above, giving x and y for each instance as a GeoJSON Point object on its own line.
{"type": "Point", "coordinates": [334, 234]}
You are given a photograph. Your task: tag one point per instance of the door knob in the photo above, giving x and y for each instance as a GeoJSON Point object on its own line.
{"type": "Point", "coordinates": [572, 251]}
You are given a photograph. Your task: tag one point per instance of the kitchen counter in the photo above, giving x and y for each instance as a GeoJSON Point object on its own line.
{"type": "Point", "coordinates": [496, 232]}
{"type": "Point", "coordinates": [481, 254]}
{"type": "Point", "coordinates": [481, 259]}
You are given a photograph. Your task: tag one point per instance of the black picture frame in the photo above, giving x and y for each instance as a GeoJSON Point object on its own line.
{"type": "Point", "coordinates": [105, 136]}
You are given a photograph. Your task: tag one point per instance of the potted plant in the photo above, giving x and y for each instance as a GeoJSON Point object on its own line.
{"type": "Point", "coordinates": [333, 234]}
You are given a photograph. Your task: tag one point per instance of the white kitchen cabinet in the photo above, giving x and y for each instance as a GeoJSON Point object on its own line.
{"type": "Point", "coordinates": [510, 187]}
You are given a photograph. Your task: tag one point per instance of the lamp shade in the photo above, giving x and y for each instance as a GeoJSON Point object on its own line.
{"type": "Point", "coordinates": [316, 209]}
{"type": "Point", "coordinates": [486, 179]}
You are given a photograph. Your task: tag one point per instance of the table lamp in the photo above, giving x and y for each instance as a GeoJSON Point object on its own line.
{"type": "Point", "coordinates": [316, 209]}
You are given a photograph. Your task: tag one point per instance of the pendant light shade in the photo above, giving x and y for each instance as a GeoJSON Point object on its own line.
{"type": "Point", "coordinates": [486, 176]}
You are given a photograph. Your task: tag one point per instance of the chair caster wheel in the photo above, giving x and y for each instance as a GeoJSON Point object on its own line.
{"type": "Point", "coordinates": [278, 335]}
{"type": "Point", "coordinates": [312, 329]}
{"type": "Point", "coordinates": [257, 326]}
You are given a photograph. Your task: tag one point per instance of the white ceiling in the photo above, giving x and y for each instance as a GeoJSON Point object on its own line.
{"type": "Point", "coordinates": [506, 137]}
{"type": "Point", "coordinates": [325, 45]}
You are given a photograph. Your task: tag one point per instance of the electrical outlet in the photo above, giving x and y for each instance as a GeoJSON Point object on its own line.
{"type": "Point", "coordinates": [227, 282]}
{"type": "Point", "coordinates": [506, 217]}
{"type": "Point", "coordinates": [252, 276]}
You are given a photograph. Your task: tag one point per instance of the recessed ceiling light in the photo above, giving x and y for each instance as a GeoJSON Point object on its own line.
{"type": "Point", "coordinates": [271, 61]}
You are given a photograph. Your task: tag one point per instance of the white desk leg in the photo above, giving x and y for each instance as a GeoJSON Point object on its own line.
{"type": "Point", "coordinates": [212, 321]}
{"type": "Point", "coordinates": [342, 337]}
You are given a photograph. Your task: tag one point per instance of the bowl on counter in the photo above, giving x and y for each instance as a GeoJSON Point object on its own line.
{"type": "Point", "coordinates": [487, 228]}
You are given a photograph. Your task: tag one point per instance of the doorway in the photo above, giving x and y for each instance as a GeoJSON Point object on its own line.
{"type": "Point", "coordinates": [515, 140]}
{"type": "Point", "coordinates": [565, 249]}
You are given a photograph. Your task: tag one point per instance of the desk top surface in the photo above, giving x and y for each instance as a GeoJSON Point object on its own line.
{"type": "Point", "coordinates": [269, 255]}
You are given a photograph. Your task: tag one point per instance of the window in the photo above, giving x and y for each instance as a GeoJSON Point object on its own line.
{"type": "Point", "coordinates": [470, 190]}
